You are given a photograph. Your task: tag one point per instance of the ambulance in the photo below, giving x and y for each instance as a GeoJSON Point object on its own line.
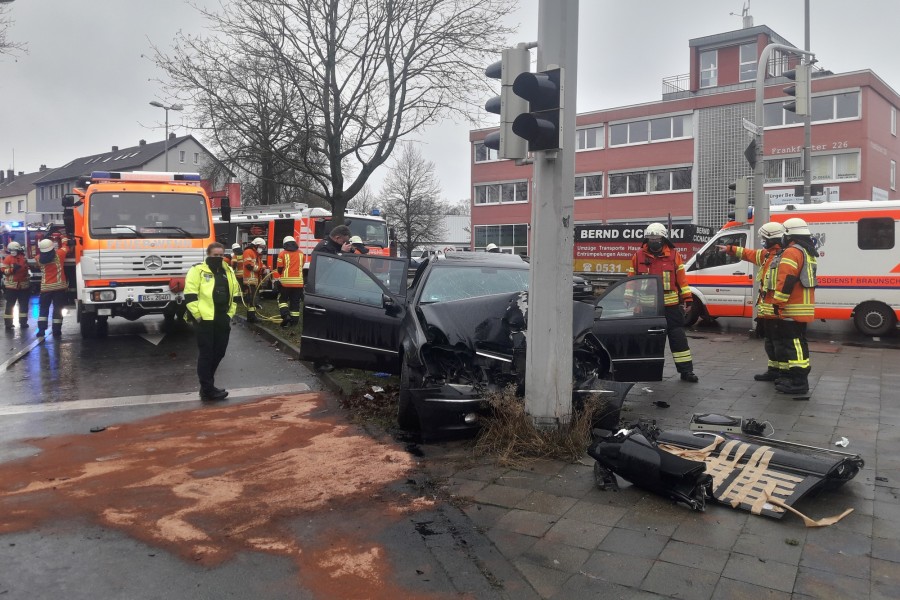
{"type": "Point", "coordinates": [135, 236]}
{"type": "Point", "coordinates": [858, 265]}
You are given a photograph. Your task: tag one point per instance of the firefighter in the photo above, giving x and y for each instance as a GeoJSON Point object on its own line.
{"type": "Point", "coordinates": [288, 281]}
{"type": "Point", "coordinates": [53, 284]}
{"type": "Point", "coordinates": [17, 283]}
{"type": "Point", "coordinates": [357, 246]}
{"type": "Point", "coordinates": [770, 235]}
{"type": "Point", "coordinates": [210, 289]}
{"type": "Point", "coordinates": [254, 271]}
{"type": "Point", "coordinates": [236, 264]}
{"type": "Point", "coordinates": [792, 277]}
{"type": "Point", "coordinates": [658, 256]}
{"type": "Point", "coordinates": [492, 248]}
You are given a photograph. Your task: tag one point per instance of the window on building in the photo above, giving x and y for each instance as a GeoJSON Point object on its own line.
{"type": "Point", "coordinates": [9, 207]}
{"type": "Point", "coordinates": [875, 233]}
{"type": "Point", "coordinates": [893, 174]}
{"type": "Point", "coordinates": [832, 107]}
{"type": "Point", "coordinates": [484, 154]}
{"type": "Point", "coordinates": [748, 62]}
{"type": "Point", "coordinates": [893, 121]}
{"type": "Point", "coordinates": [627, 183]}
{"type": "Point", "coordinates": [181, 154]}
{"type": "Point", "coordinates": [653, 130]}
{"type": "Point", "coordinates": [589, 138]}
{"type": "Point", "coordinates": [587, 186]}
{"type": "Point", "coordinates": [670, 180]}
{"type": "Point", "coordinates": [823, 167]}
{"type": "Point", "coordinates": [653, 182]}
{"type": "Point", "coordinates": [496, 193]}
{"type": "Point", "coordinates": [21, 207]}
{"type": "Point", "coordinates": [709, 69]}
{"type": "Point", "coordinates": [510, 238]}
{"type": "Point", "coordinates": [196, 158]}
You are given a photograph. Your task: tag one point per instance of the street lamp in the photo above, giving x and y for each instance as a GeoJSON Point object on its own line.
{"type": "Point", "coordinates": [167, 109]}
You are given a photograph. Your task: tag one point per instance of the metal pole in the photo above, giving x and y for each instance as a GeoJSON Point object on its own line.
{"type": "Point", "coordinates": [807, 119]}
{"type": "Point", "coordinates": [548, 375]}
{"type": "Point", "coordinates": [166, 143]}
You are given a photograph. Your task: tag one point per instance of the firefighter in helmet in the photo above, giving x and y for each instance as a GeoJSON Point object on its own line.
{"type": "Point", "coordinates": [658, 256]}
{"type": "Point", "coordinates": [770, 236]}
{"type": "Point", "coordinates": [53, 284]}
{"type": "Point", "coordinates": [792, 278]}
{"type": "Point", "coordinates": [254, 272]}
{"type": "Point", "coordinates": [17, 284]}
{"type": "Point", "coordinates": [288, 281]}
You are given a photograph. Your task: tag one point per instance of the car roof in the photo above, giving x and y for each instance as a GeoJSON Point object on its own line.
{"type": "Point", "coordinates": [480, 259]}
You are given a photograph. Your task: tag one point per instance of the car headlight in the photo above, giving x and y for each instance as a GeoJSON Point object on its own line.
{"type": "Point", "coordinates": [103, 295]}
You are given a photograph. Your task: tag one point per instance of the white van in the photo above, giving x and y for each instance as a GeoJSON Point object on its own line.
{"type": "Point", "coordinates": [858, 266]}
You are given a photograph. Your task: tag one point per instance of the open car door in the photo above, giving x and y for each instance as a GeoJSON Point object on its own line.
{"type": "Point", "coordinates": [630, 322]}
{"type": "Point", "coordinates": [353, 309]}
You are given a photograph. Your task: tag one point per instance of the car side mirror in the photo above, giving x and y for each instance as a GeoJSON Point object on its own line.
{"type": "Point", "coordinates": [387, 302]}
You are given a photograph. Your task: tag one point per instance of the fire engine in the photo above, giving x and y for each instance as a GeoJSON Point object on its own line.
{"type": "Point", "coordinates": [858, 268]}
{"type": "Point", "coordinates": [29, 235]}
{"type": "Point", "coordinates": [135, 237]}
{"type": "Point", "coordinates": [308, 225]}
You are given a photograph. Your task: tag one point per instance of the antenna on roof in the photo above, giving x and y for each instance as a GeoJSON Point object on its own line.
{"type": "Point", "coordinates": [745, 15]}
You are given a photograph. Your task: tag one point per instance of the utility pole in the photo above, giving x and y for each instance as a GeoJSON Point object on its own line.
{"type": "Point", "coordinates": [807, 118]}
{"type": "Point", "coordinates": [548, 377]}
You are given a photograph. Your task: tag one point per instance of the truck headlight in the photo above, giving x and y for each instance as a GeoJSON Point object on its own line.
{"type": "Point", "coordinates": [103, 295]}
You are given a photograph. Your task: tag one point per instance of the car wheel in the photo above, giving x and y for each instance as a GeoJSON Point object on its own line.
{"type": "Point", "coordinates": [874, 318]}
{"type": "Point", "coordinates": [696, 311]}
{"type": "Point", "coordinates": [407, 418]}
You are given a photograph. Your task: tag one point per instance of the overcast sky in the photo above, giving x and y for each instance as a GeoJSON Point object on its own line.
{"type": "Point", "coordinates": [84, 87]}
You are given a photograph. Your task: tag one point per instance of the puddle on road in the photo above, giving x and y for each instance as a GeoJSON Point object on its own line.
{"type": "Point", "coordinates": [208, 483]}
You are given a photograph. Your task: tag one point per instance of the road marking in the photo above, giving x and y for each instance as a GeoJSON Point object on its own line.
{"type": "Point", "coordinates": [263, 390]}
{"type": "Point", "coordinates": [153, 338]}
{"type": "Point", "coordinates": [18, 355]}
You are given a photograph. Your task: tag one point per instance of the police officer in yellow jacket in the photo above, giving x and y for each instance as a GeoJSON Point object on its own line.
{"type": "Point", "coordinates": [209, 294]}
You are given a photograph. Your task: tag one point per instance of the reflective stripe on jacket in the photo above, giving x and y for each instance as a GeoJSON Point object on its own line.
{"type": "Point", "coordinates": [669, 266]}
{"type": "Point", "coordinates": [290, 268]}
{"type": "Point", "coordinates": [793, 274]}
{"type": "Point", "coordinates": [19, 279]}
{"type": "Point", "coordinates": [237, 263]}
{"type": "Point", "coordinates": [53, 277]}
{"type": "Point", "coordinates": [762, 258]}
{"type": "Point", "coordinates": [198, 291]}
{"type": "Point", "coordinates": [251, 266]}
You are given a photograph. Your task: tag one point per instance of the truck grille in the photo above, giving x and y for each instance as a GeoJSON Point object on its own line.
{"type": "Point", "coordinates": [116, 264]}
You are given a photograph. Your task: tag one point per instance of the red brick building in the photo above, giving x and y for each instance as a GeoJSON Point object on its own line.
{"type": "Point", "coordinates": [676, 156]}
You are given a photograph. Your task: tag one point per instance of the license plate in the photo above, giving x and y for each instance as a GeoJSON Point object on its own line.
{"type": "Point", "coordinates": [155, 298]}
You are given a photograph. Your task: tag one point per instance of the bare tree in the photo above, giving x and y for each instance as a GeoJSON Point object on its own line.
{"type": "Point", "coordinates": [365, 200]}
{"type": "Point", "coordinates": [363, 73]}
{"type": "Point", "coordinates": [460, 207]}
{"type": "Point", "coordinates": [7, 46]}
{"type": "Point", "coordinates": [412, 200]}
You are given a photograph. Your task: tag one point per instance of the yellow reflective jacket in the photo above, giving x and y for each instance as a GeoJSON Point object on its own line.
{"type": "Point", "coordinates": [198, 289]}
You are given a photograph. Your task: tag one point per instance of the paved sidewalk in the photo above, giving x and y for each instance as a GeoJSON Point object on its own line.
{"type": "Point", "coordinates": [570, 540]}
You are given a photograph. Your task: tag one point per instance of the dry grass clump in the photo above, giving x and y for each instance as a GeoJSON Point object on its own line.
{"type": "Point", "coordinates": [510, 435]}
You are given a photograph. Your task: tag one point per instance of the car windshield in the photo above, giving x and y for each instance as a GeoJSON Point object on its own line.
{"type": "Point", "coordinates": [372, 232]}
{"type": "Point", "coordinates": [445, 284]}
{"type": "Point", "coordinates": [147, 214]}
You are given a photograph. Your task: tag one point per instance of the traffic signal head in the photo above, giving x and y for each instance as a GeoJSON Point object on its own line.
{"type": "Point", "coordinates": [740, 200]}
{"type": "Point", "coordinates": [508, 105]}
{"type": "Point", "coordinates": [800, 90]}
{"type": "Point", "coordinates": [542, 123]}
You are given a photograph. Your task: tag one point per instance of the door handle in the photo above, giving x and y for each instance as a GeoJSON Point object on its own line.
{"type": "Point", "coordinates": [316, 309]}
{"type": "Point", "coordinates": [656, 331]}
{"type": "Point", "coordinates": [739, 273]}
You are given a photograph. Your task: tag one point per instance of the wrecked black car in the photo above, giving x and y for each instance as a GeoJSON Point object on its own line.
{"type": "Point", "coordinates": [458, 331]}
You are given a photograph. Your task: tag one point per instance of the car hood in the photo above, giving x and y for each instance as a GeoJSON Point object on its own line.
{"type": "Point", "coordinates": [490, 321]}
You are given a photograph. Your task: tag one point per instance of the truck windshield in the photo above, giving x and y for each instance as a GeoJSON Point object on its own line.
{"type": "Point", "coordinates": [147, 215]}
{"type": "Point", "coordinates": [373, 233]}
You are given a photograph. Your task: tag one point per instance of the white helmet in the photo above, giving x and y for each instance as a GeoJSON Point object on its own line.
{"type": "Point", "coordinates": [796, 226]}
{"type": "Point", "coordinates": [771, 231]}
{"type": "Point", "coordinates": [656, 229]}
{"type": "Point", "coordinates": [490, 247]}
{"type": "Point", "coordinates": [259, 242]}
{"type": "Point", "coordinates": [15, 246]}
{"type": "Point", "coordinates": [288, 238]}
{"type": "Point", "coordinates": [45, 245]}
{"type": "Point", "coordinates": [235, 247]}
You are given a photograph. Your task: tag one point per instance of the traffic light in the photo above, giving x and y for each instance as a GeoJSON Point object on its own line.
{"type": "Point", "coordinates": [740, 200]}
{"type": "Point", "coordinates": [508, 105]}
{"type": "Point", "coordinates": [542, 124]}
{"type": "Point", "coordinates": [800, 90]}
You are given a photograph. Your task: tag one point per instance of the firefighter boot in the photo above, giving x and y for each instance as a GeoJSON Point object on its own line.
{"type": "Point", "coordinates": [770, 375]}
{"type": "Point", "coordinates": [285, 319]}
{"type": "Point", "coordinates": [797, 384]}
{"type": "Point", "coordinates": [41, 331]}
{"type": "Point", "coordinates": [57, 330]}
{"type": "Point", "coordinates": [7, 323]}
{"type": "Point", "coordinates": [689, 376]}
{"type": "Point", "coordinates": [784, 376]}
{"type": "Point", "coordinates": [23, 323]}
{"type": "Point", "coordinates": [251, 315]}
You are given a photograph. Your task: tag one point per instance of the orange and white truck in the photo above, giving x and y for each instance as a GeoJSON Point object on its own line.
{"type": "Point", "coordinates": [308, 225]}
{"type": "Point", "coordinates": [858, 266]}
{"type": "Point", "coordinates": [135, 237]}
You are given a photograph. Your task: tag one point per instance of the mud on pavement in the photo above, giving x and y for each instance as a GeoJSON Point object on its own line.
{"type": "Point", "coordinates": [208, 483]}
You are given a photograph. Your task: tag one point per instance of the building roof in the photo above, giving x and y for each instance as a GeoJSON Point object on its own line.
{"type": "Point", "coordinates": [124, 159]}
{"type": "Point", "coordinates": [22, 184]}
{"type": "Point", "coordinates": [457, 228]}
{"type": "Point", "coordinates": [730, 37]}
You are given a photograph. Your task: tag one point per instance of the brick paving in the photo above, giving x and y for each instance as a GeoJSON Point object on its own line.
{"type": "Point", "coordinates": [569, 540]}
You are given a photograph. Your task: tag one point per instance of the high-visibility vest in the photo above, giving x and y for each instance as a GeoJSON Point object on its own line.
{"type": "Point", "coordinates": [53, 278]}
{"type": "Point", "coordinates": [794, 290]}
{"type": "Point", "coordinates": [290, 268]}
{"type": "Point", "coordinates": [669, 267]}
{"type": "Point", "coordinates": [252, 266]}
